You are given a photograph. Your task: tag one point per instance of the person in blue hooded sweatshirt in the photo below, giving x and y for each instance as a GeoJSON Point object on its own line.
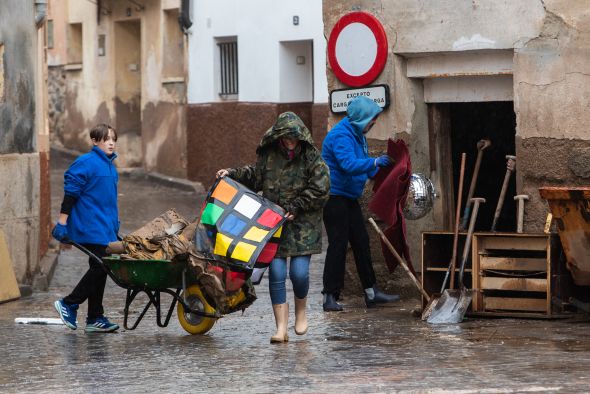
{"type": "Point", "coordinates": [89, 216]}
{"type": "Point", "coordinates": [345, 152]}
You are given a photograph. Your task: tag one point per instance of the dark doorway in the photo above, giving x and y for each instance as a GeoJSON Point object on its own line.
{"type": "Point", "coordinates": [496, 121]}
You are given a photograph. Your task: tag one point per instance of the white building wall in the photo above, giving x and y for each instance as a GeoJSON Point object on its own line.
{"type": "Point", "coordinates": [260, 26]}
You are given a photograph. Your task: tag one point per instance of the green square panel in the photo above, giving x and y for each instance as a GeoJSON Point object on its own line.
{"type": "Point", "coordinates": [211, 213]}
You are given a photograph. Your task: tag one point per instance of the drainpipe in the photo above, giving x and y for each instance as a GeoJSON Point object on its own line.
{"type": "Point", "coordinates": [184, 19]}
{"type": "Point", "coordinates": [40, 12]}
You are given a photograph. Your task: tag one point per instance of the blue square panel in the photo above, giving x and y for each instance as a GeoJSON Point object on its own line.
{"type": "Point", "coordinates": [232, 225]}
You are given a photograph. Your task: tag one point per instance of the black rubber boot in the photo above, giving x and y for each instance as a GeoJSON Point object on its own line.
{"type": "Point", "coordinates": [380, 298]}
{"type": "Point", "coordinates": [330, 304]}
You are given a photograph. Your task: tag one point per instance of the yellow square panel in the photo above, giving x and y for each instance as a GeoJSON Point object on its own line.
{"type": "Point", "coordinates": [243, 251]}
{"type": "Point", "coordinates": [278, 233]}
{"type": "Point", "coordinates": [222, 242]}
{"type": "Point", "coordinates": [256, 234]}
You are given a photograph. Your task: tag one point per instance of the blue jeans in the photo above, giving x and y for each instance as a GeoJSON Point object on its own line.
{"type": "Point", "coordinates": [298, 272]}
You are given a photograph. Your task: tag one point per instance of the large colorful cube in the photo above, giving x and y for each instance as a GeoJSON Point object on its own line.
{"type": "Point", "coordinates": [238, 225]}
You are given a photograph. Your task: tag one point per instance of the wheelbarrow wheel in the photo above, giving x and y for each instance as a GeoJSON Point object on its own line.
{"type": "Point", "coordinates": [192, 323]}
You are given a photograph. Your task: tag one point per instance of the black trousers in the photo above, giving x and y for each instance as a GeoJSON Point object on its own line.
{"type": "Point", "coordinates": [344, 222]}
{"type": "Point", "coordinates": [91, 286]}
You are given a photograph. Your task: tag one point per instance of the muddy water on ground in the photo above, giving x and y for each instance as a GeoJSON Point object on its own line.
{"type": "Point", "coordinates": [359, 350]}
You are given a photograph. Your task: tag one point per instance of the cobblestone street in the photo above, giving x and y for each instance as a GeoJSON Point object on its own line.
{"type": "Point", "coordinates": [378, 350]}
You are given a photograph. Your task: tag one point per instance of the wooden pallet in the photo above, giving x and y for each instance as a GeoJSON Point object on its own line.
{"type": "Point", "coordinates": [512, 274]}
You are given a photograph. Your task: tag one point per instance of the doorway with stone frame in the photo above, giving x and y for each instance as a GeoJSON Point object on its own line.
{"type": "Point", "coordinates": [456, 128]}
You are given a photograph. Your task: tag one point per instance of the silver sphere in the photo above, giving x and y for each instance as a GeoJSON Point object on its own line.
{"type": "Point", "coordinates": [421, 195]}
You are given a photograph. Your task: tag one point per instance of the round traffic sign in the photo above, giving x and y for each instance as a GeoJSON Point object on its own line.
{"type": "Point", "coordinates": [357, 49]}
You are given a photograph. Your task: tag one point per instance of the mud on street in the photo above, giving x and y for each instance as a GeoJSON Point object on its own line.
{"type": "Point", "coordinates": [359, 350]}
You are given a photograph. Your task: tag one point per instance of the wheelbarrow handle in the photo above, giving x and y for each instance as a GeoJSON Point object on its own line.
{"type": "Point", "coordinates": [97, 260]}
{"type": "Point", "coordinates": [84, 250]}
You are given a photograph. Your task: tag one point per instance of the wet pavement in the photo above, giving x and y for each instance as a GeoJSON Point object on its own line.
{"type": "Point", "coordinates": [359, 350]}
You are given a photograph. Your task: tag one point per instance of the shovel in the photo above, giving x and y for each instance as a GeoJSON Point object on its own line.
{"type": "Point", "coordinates": [451, 270]}
{"type": "Point", "coordinates": [453, 304]}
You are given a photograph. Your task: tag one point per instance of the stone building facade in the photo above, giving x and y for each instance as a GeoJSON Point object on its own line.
{"type": "Point", "coordinates": [24, 139]}
{"type": "Point", "coordinates": [132, 65]}
{"type": "Point", "coordinates": [121, 63]}
{"type": "Point", "coordinates": [460, 71]}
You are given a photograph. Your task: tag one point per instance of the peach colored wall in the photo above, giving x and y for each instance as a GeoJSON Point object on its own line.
{"type": "Point", "coordinates": [57, 11]}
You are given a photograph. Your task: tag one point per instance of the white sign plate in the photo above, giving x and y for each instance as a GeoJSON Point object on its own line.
{"type": "Point", "coordinates": [339, 98]}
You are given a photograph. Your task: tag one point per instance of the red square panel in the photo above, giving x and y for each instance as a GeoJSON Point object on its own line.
{"type": "Point", "coordinates": [268, 253]}
{"type": "Point", "coordinates": [269, 218]}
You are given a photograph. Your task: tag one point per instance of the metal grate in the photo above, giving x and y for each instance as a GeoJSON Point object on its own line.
{"type": "Point", "coordinates": [228, 61]}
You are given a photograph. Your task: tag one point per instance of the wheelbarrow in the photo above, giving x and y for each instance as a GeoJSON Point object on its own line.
{"type": "Point", "coordinates": [154, 277]}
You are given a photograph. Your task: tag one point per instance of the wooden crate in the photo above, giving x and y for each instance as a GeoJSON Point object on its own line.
{"type": "Point", "coordinates": [512, 274]}
{"type": "Point", "coordinates": [437, 249]}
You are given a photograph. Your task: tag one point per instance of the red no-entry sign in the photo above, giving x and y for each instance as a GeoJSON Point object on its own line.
{"type": "Point", "coordinates": [357, 49]}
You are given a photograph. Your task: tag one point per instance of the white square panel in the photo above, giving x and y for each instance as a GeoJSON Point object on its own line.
{"type": "Point", "coordinates": [247, 206]}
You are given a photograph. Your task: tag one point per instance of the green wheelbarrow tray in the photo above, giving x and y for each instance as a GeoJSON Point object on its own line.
{"type": "Point", "coordinates": [151, 277]}
{"type": "Point", "coordinates": [153, 274]}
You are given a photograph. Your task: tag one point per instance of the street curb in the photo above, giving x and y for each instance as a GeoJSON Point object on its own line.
{"type": "Point", "coordinates": [140, 173]}
{"type": "Point", "coordinates": [164, 180]}
{"type": "Point", "coordinates": [69, 152]}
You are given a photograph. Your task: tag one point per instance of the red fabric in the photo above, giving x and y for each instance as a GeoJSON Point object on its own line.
{"type": "Point", "coordinates": [268, 253]}
{"type": "Point", "coordinates": [269, 218]}
{"type": "Point", "coordinates": [234, 280]}
{"type": "Point", "coordinates": [390, 192]}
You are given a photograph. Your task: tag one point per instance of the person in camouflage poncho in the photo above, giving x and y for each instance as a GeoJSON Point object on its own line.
{"type": "Point", "coordinates": [290, 172]}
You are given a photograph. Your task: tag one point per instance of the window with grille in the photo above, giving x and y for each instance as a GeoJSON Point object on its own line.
{"type": "Point", "coordinates": [228, 68]}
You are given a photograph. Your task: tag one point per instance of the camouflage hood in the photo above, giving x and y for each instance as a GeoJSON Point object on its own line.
{"type": "Point", "coordinates": [287, 125]}
{"type": "Point", "coordinates": [301, 184]}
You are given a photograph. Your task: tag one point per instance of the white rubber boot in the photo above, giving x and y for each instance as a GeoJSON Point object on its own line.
{"type": "Point", "coordinates": [281, 312]}
{"type": "Point", "coordinates": [300, 316]}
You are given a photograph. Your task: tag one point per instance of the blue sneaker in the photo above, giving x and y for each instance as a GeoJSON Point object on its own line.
{"type": "Point", "coordinates": [100, 324]}
{"type": "Point", "coordinates": [67, 313]}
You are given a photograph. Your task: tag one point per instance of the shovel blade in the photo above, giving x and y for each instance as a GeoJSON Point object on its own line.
{"type": "Point", "coordinates": [427, 311]}
{"type": "Point", "coordinates": [451, 307]}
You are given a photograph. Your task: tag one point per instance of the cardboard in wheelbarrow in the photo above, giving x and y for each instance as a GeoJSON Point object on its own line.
{"type": "Point", "coordinates": [162, 238]}
{"type": "Point", "coordinates": [570, 207]}
{"type": "Point", "coordinates": [162, 242]}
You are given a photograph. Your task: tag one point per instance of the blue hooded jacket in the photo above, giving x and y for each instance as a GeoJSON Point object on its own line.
{"type": "Point", "coordinates": [345, 150]}
{"type": "Point", "coordinates": [92, 179]}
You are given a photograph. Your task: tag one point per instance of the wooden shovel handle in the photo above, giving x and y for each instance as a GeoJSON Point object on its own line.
{"type": "Point", "coordinates": [510, 165]}
{"type": "Point", "coordinates": [457, 219]}
{"type": "Point", "coordinates": [401, 261]}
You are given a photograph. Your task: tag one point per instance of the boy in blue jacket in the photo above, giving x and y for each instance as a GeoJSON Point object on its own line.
{"type": "Point", "coordinates": [345, 152]}
{"type": "Point", "coordinates": [89, 216]}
